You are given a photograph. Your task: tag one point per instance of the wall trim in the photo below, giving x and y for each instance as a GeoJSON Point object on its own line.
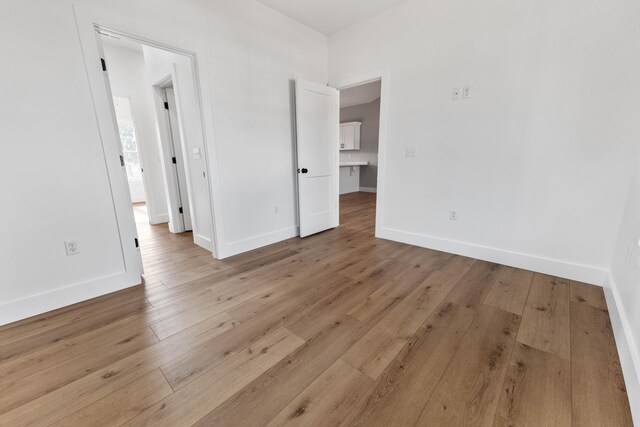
{"type": "Point", "coordinates": [203, 242]}
{"type": "Point", "coordinates": [627, 347]}
{"type": "Point", "coordinates": [554, 267]}
{"type": "Point", "coordinates": [45, 302]}
{"type": "Point", "coordinates": [255, 242]}
{"type": "Point", "coordinates": [158, 219]}
{"type": "Point", "coordinates": [368, 189]}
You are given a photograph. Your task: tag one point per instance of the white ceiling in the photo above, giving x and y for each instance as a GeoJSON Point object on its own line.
{"type": "Point", "coordinates": [362, 94]}
{"type": "Point", "coordinates": [329, 16]}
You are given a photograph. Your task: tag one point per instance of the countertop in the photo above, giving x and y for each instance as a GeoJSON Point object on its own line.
{"type": "Point", "coordinates": [346, 164]}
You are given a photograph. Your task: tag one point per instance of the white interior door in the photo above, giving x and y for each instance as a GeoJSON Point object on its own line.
{"type": "Point", "coordinates": [114, 158]}
{"type": "Point", "coordinates": [180, 159]}
{"type": "Point", "coordinates": [318, 139]}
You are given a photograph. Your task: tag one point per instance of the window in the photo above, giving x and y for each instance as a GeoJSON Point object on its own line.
{"type": "Point", "coordinates": [128, 138]}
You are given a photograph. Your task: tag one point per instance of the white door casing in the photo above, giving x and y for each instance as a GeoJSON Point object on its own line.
{"type": "Point", "coordinates": [317, 139]}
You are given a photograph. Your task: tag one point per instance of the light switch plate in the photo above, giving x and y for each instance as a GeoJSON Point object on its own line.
{"type": "Point", "coordinates": [457, 91]}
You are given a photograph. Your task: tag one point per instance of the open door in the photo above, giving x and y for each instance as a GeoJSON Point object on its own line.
{"type": "Point", "coordinates": [116, 168]}
{"type": "Point", "coordinates": [317, 136]}
{"type": "Point", "coordinates": [176, 143]}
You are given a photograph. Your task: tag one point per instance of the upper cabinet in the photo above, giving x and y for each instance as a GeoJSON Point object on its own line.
{"type": "Point", "coordinates": [350, 136]}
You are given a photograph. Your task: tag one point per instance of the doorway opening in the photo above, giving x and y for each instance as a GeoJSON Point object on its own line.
{"type": "Point", "coordinates": [359, 146]}
{"type": "Point", "coordinates": [157, 109]}
{"type": "Point", "coordinates": [330, 154]}
{"type": "Point", "coordinates": [172, 143]}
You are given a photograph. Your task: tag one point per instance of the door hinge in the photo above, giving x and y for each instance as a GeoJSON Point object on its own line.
{"type": "Point", "coordinates": [180, 209]}
{"type": "Point", "coordinates": [135, 240]}
{"type": "Point", "coordinates": [173, 159]}
{"type": "Point", "coordinates": [104, 64]}
{"type": "Point", "coordinates": [121, 161]}
{"type": "Point", "coordinates": [166, 105]}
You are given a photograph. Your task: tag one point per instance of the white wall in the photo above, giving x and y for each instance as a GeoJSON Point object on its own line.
{"type": "Point", "coordinates": [247, 55]}
{"type": "Point", "coordinates": [159, 64]}
{"type": "Point", "coordinates": [625, 292]}
{"type": "Point", "coordinates": [63, 192]}
{"type": "Point", "coordinates": [538, 161]}
{"type": "Point", "coordinates": [128, 79]}
{"type": "Point", "coordinates": [253, 109]}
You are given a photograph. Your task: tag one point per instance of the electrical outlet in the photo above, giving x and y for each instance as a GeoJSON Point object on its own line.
{"type": "Point", "coordinates": [457, 91]}
{"type": "Point", "coordinates": [276, 209]}
{"type": "Point", "coordinates": [411, 151]}
{"type": "Point", "coordinates": [466, 92]}
{"type": "Point", "coordinates": [453, 215]}
{"type": "Point", "coordinates": [72, 247]}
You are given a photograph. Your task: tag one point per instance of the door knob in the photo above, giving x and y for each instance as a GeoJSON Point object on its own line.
{"type": "Point", "coordinates": [304, 170]}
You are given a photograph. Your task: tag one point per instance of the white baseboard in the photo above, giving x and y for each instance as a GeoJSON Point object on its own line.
{"type": "Point", "coordinates": [628, 350]}
{"type": "Point", "coordinates": [203, 242]}
{"type": "Point", "coordinates": [158, 219]}
{"type": "Point", "coordinates": [23, 308]}
{"type": "Point", "coordinates": [245, 245]}
{"type": "Point", "coordinates": [368, 189]}
{"type": "Point", "coordinates": [553, 267]}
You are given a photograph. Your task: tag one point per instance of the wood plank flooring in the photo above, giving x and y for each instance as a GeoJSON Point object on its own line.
{"type": "Point", "coordinates": [336, 329]}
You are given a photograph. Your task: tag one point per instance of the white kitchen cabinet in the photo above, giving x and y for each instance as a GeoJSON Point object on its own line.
{"type": "Point", "coordinates": [350, 136]}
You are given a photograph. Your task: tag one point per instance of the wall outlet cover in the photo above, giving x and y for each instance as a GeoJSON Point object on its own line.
{"type": "Point", "coordinates": [72, 247]}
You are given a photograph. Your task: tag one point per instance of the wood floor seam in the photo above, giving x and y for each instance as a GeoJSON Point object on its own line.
{"type": "Point", "coordinates": [165, 378]}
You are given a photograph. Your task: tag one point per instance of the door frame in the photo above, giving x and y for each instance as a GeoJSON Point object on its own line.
{"type": "Point", "coordinates": [383, 76]}
{"type": "Point", "coordinates": [88, 26]}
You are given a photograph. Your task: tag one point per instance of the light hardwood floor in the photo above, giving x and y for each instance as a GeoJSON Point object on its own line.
{"type": "Point", "coordinates": [336, 329]}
